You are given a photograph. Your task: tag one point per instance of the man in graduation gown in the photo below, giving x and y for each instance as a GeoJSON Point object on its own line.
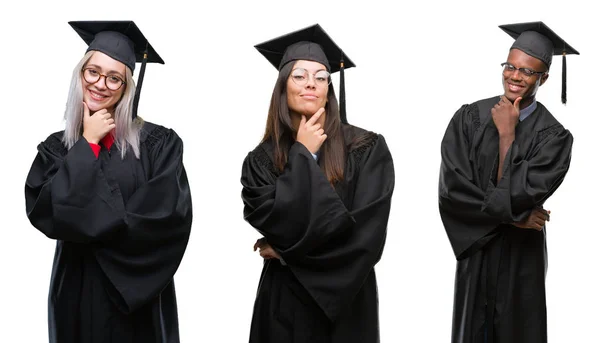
{"type": "Point", "coordinates": [502, 158]}
{"type": "Point", "coordinates": [121, 223]}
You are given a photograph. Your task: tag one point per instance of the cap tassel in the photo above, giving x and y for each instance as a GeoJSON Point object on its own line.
{"type": "Point", "coordinates": [564, 79]}
{"type": "Point", "coordinates": [138, 89]}
{"type": "Point", "coordinates": [342, 93]}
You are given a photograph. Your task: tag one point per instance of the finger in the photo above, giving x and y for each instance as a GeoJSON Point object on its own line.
{"type": "Point", "coordinates": [539, 222]}
{"type": "Point", "coordinates": [266, 252]}
{"type": "Point", "coordinates": [86, 110]}
{"type": "Point", "coordinates": [110, 121]}
{"type": "Point", "coordinates": [319, 132]}
{"type": "Point", "coordinates": [316, 126]}
{"type": "Point", "coordinates": [323, 138]}
{"type": "Point", "coordinates": [517, 103]}
{"type": "Point", "coordinates": [111, 126]}
{"type": "Point", "coordinates": [303, 121]}
{"type": "Point", "coordinates": [316, 116]}
{"type": "Point", "coordinates": [504, 99]}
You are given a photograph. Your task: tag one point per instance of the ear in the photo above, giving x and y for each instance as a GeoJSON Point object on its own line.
{"type": "Point", "coordinates": [544, 78]}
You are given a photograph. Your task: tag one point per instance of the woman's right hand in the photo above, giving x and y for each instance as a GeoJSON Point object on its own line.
{"type": "Point", "coordinates": [265, 249]}
{"type": "Point", "coordinates": [310, 133]}
{"type": "Point", "coordinates": [536, 220]}
{"type": "Point", "coordinates": [97, 125]}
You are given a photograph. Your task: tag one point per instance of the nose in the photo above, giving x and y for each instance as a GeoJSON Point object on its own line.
{"type": "Point", "coordinates": [311, 82]}
{"type": "Point", "coordinates": [101, 83]}
{"type": "Point", "coordinates": [516, 75]}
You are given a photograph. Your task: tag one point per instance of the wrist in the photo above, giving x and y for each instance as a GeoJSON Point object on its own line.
{"type": "Point", "coordinates": [90, 139]}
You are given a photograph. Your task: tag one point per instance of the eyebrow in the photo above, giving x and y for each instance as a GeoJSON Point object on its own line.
{"type": "Point", "coordinates": [109, 72]}
{"type": "Point", "coordinates": [313, 71]}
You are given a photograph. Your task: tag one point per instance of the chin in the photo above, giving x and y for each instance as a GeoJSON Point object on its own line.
{"type": "Point", "coordinates": [511, 96]}
{"type": "Point", "coordinates": [94, 107]}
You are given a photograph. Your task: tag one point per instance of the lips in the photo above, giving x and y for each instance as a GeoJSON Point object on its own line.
{"type": "Point", "coordinates": [309, 96]}
{"type": "Point", "coordinates": [514, 88]}
{"type": "Point", "coordinates": [97, 96]}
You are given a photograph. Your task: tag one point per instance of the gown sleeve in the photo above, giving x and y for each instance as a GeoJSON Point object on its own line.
{"type": "Point", "coordinates": [68, 196]}
{"type": "Point", "coordinates": [528, 179]}
{"type": "Point", "coordinates": [330, 249]}
{"type": "Point", "coordinates": [470, 214]}
{"type": "Point", "coordinates": [138, 245]}
{"type": "Point", "coordinates": [460, 196]}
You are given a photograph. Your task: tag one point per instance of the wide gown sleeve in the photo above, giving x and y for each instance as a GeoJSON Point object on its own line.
{"type": "Point", "coordinates": [460, 196]}
{"type": "Point", "coordinates": [470, 215]}
{"type": "Point", "coordinates": [139, 245]}
{"type": "Point", "coordinates": [329, 248]}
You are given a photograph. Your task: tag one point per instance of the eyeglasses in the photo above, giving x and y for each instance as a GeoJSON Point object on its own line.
{"type": "Point", "coordinates": [300, 77]}
{"type": "Point", "coordinates": [525, 71]}
{"type": "Point", "coordinates": [113, 82]}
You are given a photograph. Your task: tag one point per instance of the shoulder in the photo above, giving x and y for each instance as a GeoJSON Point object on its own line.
{"type": "Point", "coordinates": [547, 125]}
{"type": "Point", "coordinates": [154, 135]}
{"type": "Point", "coordinates": [55, 137]}
{"type": "Point", "coordinates": [355, 136]}
{"type": "Point", "coordinates": [54, 143]}
{"type": "Point", "coordinates": [261, 156]}
{"type": "Point", "coordinates": [473, 114]}
{"type": "Point", "coordinates": [545, 117]}
{"type": "Point", "coordinates": [360, 142]}
{"type": "Point", "coordinates": [486, 103]}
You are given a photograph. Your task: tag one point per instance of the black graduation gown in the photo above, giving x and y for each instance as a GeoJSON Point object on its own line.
{"type": "Point", "coordinates": [330, 240]}
{"type": "Point", "coordinates": [501, 269]}
{"type": "Point", "coordinates": [121, 227]}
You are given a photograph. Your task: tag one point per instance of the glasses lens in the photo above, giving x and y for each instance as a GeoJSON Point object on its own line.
{"type": "Point", "coordinates": [322, 78]}
{"type": "Point", "coordinates": [113, 82]}
{"type": "Point", "coordinates": [299, 76]}
{"type": "Point", "coordinates": [527, 72]}
{"type": "Point", "coordinates": [91, 75]}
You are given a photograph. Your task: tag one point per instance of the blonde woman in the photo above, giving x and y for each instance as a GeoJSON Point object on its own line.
{"type": "Point", "coordinates": [111, 189]}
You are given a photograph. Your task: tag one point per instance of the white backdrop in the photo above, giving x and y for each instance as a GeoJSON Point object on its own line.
{"type": "Point", "coordinates": [417, 64]}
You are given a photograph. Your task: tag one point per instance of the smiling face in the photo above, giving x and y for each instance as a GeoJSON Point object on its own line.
{"type": "Point", "coordinates": [97, 95]}
{"type": "Point", "coordinates": [308, 98]}
{"type": "Point", "coordinates": [516, 84]}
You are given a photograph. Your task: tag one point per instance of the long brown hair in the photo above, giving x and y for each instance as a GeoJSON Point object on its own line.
{"type": "Point", "coordinates": [281, 133]}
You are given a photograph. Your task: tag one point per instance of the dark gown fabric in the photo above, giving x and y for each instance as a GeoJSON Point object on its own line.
{"type": "Point", "coordinates": [329, 239]}
{"type": "Point", "coordinates": [122, 227]}
{"type": "Point", "coordinates": [501, 269]}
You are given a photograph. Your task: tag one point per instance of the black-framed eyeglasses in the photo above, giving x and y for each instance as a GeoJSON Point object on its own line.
{"type": "Point", "coordinates": [113, 82]}
{"type": "Point", "coordinates": [525, 71]}
{"type": "Point", "coordinates": [300, 76]}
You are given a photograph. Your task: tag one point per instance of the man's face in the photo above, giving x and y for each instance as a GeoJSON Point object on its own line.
{"type": "Point", "coordinates": [518, 84]}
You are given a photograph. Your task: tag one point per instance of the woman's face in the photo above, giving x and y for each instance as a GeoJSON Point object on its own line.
{"type": "Point", "coordinates": [307, 87]}
{"type": "Point", "coordinates": [108, 89]}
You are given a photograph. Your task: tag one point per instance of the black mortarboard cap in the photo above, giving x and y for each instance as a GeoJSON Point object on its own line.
{"type": "Point", "coordinates": [121, 40]}
{"type": "Point", "coordinates": [538, 40]}
{"type": "Point", "coordinates": [313, 44]}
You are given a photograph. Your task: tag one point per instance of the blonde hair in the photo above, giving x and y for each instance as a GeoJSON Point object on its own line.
{"type": "Point", "coordinates": [127, 131]}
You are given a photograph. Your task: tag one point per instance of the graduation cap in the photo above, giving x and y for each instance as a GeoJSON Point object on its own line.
{"type": "Point", "coordinates": [121, 40]}
{"type": "Point", "coordinates": [537, 40]}
{"type": "Point", "coordinates": [312, 44]}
